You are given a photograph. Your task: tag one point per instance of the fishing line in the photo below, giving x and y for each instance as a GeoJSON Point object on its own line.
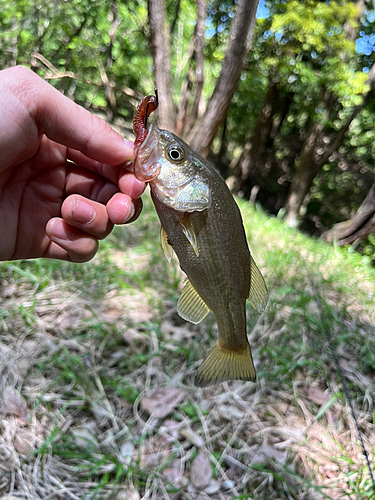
{"type": "Point", "coordinates": [343, 382]}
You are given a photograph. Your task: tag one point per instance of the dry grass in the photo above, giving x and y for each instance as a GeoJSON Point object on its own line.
{"type": "Point", "coordinates": [96, 386]}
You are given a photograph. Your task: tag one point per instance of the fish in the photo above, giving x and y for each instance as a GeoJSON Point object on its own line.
{"type": "Point", "coordinates": [202, 224]}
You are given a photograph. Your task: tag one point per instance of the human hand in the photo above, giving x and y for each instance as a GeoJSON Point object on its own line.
{"type": "Point", "coordinates": [49, 206]}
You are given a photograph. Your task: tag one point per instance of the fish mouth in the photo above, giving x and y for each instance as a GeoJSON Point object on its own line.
{"type": "Point", "coordinates": [147, 157]}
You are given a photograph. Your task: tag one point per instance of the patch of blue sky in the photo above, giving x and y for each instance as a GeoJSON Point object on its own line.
{"type": "Point", "coordinates": [262, 12]}
{"type": "Point", "coordinates": [365, 45]}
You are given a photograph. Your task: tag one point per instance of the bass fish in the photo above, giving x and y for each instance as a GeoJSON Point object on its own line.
{"type": "Point", "coordinates": [202, 224]}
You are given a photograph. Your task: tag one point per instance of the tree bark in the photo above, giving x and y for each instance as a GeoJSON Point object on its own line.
{"type": "Point", "coordinates": [110, 87]}
{"type": "Point", "coordinates": [242, 29]}
{"type": "Point", "coordinates": [305, 174]}
{"type": "Point", "coordinates": [361, 225]}
{"type": "Point", "coordinates": [160, 45]}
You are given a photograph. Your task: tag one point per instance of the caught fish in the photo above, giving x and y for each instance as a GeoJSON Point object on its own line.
{"type": "Point", "coordinates": [202, 224]}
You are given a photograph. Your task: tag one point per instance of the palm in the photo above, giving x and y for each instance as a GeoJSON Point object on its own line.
{"type": "Point", "coordinates": [32, 193]}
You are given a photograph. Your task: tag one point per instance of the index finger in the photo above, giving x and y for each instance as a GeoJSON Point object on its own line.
{"type": "Point", "coordinates": [67, 123]}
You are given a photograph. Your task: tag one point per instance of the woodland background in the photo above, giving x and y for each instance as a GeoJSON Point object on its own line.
{"type": "Point", "coordinates": [284, 107]}
{"type": "Point", "coordinates": [96, 368]}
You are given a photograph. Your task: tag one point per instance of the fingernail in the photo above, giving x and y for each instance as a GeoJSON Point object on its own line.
{"type": "Point", "coordinates": [129, 143]}
{"type": "Point", "coordinates": [82, 212]}
{"type": "Point", "coordinates": [128, 165]}
{"type": "Point", "coordinates": [130, 214]}
{"type": "Point", "coordinates": [59, 230]}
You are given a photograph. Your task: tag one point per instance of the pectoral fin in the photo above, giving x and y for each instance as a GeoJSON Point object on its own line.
{"type": "Point", "coordinates": [258, 296]}
{"type": "Point", "coordinates": [190, 306]}
{"type": "Point", "coordinates": [165, 244]}
{"type": "Point", "coordinates": [189, 232]}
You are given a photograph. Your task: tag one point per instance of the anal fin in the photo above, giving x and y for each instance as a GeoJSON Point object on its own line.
{"type": "Point", "coordinates": [190, 306]}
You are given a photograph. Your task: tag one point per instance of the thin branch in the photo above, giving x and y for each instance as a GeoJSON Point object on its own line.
{"type": "Point", "coordinates": [160, 45]}
{"type": "Point", "coordinates": [199, 60]}
{"type": "Point", "coordinates": [175, 18]}
{"type": "Point", "coordinates": [56, 73]}
{"type": "Point", "coordinates": [340, 134]}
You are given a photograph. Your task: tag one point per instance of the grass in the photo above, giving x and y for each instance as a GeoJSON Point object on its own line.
{"type": "Point", "coordinates": [102, 365]}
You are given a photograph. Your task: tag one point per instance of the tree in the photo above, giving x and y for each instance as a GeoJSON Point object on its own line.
{"type": "Point", "coordinates": [243, 23]}
{"type": "Point", "coordinates": [358, 227]}
{"type": "Point", "coordinates": [315, 89]}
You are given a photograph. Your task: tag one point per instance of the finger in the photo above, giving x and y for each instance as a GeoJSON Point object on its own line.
{"type": "Point", "coordinates": [94, 186]}
{"type": "Point", "coordinates": [129, 184]}
{"type": "Point", "coordinates": [89, 216]}
{"type": "Point", "coordinates": [122, 209]}
{"type": "Point", "coordinates": [88, 184]}
{"type": "Point", "coordinates": [109, 172]}
{"type": "Point", "coordinates": [65, 122]}
{"type": "Point", "coordinates": [69, 243]}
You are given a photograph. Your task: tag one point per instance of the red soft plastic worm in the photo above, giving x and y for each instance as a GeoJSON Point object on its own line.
{"type": "Point", "coordinates": [145, 108]}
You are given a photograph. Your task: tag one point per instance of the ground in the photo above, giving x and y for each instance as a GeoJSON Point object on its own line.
{"type": "Point", "coordinates": [97, 369]}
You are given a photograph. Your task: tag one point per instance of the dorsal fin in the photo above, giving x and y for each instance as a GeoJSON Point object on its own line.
{"type": "Point", "coordinates": [258, 295]}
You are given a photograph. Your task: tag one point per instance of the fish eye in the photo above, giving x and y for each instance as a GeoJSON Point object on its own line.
{"type": "Point", "coordinates": [176, 154]}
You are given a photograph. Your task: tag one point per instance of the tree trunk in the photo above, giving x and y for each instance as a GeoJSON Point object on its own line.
{"type": "Point", "coordinates": [262, 132]}
{"type": "Point", "coordinates": [184, 121]}
{"type": "Point", "coordinates": [361, 225]}
{"type": "Point", "coordinates": [110, 87]}
{"type": "Point", "coordinates": [160, 45]}
{"type": "Point", "coordinates": [239, 41]}
{"type": "Point", "coordinates": [305, 174]}
{"type": "Point", "coordinates": [256, 165]}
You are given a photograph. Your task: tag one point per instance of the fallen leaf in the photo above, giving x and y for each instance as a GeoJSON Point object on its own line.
{"type": "Point", "coordinates": [161, 402]}
{"type": "Point", "coordinates": [317, 396]}
{"type": "Point", "coordinates": [24, 441]}
{"type": "Point", "coordinates": [213, 487]}
{"type": "Point", "coordinates": [84, 436]}
{"type": "Point", "coordinates": [192, 436]}
{"type": "Point", "coordinates": [268, 451]}
{"type": "Point", "coordinates": [15, 404]}
{"type": "Point", "coordinates": [230, 412]}
{"type": "Point", "coordinates": [172, 428]}
{"type": "Point", "coordinates": [137, 341]}
{"type": "Point", "coordinates": [130, 494]}
{"type": "Point", "coordinates": [127, 450]}
{"type": "Point", "coordinates": [201, 471]}
{"type": "Point", "coordinates": [173, 472]}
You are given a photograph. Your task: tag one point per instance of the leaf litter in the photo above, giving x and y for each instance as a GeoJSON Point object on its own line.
{"type": "Point", "coordinates": [100, 401]}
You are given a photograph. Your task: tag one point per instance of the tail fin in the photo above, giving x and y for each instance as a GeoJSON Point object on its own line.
{"type": "Point", "coordinates": [225, 364]}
